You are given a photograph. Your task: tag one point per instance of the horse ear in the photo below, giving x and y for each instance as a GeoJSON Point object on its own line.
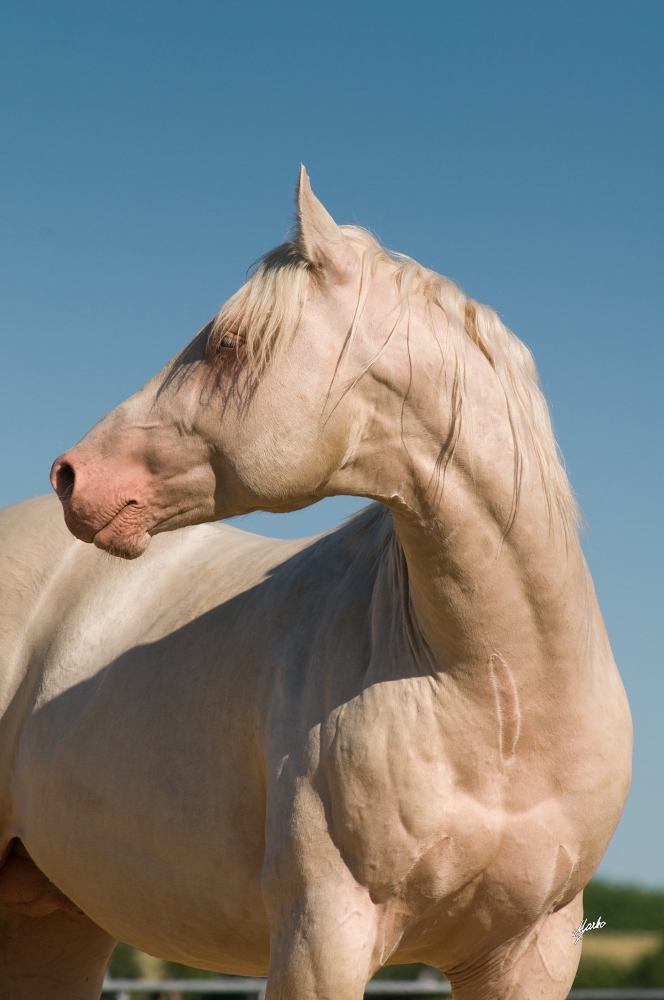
{"type": "Point", "coordinates": [323, 244]}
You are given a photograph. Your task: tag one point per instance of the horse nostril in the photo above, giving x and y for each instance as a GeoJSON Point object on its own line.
{"type": "Point", "coordinates": [64, 482]}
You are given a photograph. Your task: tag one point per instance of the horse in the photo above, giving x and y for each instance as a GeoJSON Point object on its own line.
{"type": "Point", "coordinates": [405, 740]}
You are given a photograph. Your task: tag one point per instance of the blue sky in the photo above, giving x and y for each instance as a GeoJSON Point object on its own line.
{"type": "Point", "coordinates": [148, 156]}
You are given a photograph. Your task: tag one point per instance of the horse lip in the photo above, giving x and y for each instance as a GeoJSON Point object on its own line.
{"type": "Point", "coordinates": [125, 544]}
{"type": "Point", "coordinates": [78, 526]}
{"type": "Point", "coordinates": [150, 528]}
{"type": "Point", "coordinates": [129, 503]}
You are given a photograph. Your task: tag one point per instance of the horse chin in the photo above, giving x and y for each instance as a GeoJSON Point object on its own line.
{"type": "Point", "coordinates": [124, 546]}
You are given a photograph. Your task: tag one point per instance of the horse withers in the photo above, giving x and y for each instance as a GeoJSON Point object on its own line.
{"type": "Point", "coordinates": [402, 741]}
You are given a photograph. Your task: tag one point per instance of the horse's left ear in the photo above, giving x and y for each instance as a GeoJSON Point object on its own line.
{"type": "Point", "coordinates": [322, 242]}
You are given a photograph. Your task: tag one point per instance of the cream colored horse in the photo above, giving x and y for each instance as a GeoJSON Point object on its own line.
{"type": "Point", "coordinates": [403, 741]}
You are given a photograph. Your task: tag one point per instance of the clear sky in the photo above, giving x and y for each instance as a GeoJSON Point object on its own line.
{"type": "Point", "coordinates": [148, 154]}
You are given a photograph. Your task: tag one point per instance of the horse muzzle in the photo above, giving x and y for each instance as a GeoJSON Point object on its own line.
{"type": "Point", "coordinates": [112, 519]}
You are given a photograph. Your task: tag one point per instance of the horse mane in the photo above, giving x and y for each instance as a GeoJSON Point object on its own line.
{"type": "Point", "coordinates": [265, 313]}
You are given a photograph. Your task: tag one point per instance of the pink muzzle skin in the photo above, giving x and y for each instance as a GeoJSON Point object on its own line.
{"type": "Point", "coordinates": [115, 524]}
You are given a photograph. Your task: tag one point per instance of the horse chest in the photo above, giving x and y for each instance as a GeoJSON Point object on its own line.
{"type": "Point", "coordinates": [423, 820]}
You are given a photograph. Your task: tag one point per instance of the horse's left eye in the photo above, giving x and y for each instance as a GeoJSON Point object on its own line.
{"type": "Point", "coordinates": [229, 341]}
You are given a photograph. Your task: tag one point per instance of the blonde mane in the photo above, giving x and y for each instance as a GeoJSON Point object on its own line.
{"type": "Point", "coordinates": [265, 312]}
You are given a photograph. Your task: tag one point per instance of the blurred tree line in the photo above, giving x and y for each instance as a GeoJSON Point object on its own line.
{"type": "Point", "coordinates": [629, 909]}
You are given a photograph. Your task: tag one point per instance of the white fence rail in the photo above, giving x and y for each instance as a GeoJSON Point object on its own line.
{"type": "Point", "coordinates": [255, 988]}
{"type": "Point", "coordinates": [124, 989]}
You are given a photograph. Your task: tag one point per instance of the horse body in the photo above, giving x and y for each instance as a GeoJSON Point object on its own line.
{"type": "Point", "coordinates": [156, 697]}
{"type": "Point", "coordinates": [403, 741]}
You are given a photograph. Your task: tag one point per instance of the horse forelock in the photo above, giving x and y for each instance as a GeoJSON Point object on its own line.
{"type": "Point", "coordinates": [266, 311]}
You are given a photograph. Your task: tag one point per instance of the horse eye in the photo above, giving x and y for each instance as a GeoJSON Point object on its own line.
{"type": "Point", "coordinates": [229, 341]}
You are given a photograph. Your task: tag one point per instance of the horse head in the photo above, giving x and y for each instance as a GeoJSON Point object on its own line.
{"type": "Point", "coordinates": [253, 414]}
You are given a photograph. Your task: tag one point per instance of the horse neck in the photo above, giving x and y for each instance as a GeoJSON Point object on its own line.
{"type": "Point", "coordinates": [477, 597]}
{"type": "Point", "coordinates": [485, 585]}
